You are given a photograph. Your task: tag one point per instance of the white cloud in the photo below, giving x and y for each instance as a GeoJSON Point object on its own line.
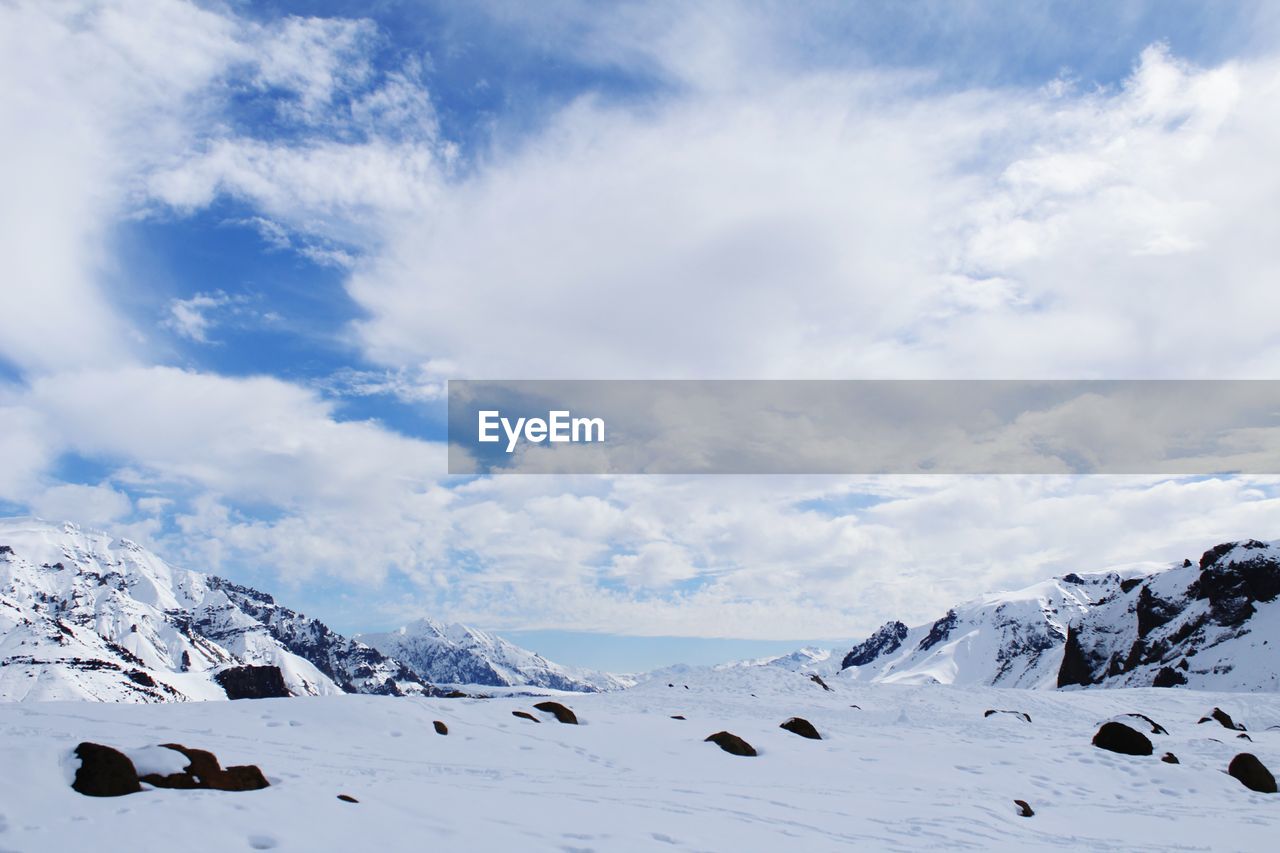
{"type": "Point", "coordinates": [852, 225]}
{"type": "Point", "coordinates": [100, 504]}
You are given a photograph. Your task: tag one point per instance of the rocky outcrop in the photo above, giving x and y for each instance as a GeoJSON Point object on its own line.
{"type": "Point", "coordinates": [253, 682]}
{"type": "Point", "coordinates": [885, 641]}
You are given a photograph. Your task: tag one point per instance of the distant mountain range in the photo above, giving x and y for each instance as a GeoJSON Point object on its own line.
{"type": "Point", "coordinates": [456, 654]}
{"type": "Point", "coordinates": [86, 616]}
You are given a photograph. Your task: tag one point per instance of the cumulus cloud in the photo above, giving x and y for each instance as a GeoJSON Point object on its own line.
{"type": "Point", "coordinates": [97, 504]}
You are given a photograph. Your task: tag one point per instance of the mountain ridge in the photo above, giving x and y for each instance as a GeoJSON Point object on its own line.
{"type": "Point", "coordinates": [84, 615]}
{"type": "Point", "coordinates": [1201, 625]}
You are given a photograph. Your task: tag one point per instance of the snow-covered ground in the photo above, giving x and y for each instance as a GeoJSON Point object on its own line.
{"type": "Point", "coordinates": [916, 767]}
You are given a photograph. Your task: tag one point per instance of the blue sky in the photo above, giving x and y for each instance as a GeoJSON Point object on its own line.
{"type": "Point", "coordinates": [250, 241]}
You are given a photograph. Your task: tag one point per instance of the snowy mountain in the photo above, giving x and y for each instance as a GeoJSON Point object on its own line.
{"type": "Point", "coordinates": [457, 654]}
{"type": "Point", "coordinates": [808, 660]}
{"type": "Point", "coordinates": [85, 616]}
{"type": "Point", "coordinates": [1208, 626]}
{"type": "Point", "coordinates": [1215, 625]}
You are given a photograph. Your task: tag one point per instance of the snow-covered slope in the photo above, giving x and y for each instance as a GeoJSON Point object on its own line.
{"type": "Point", "coordinates": [1213, 625]}
{"type": "Point", "coordinates": [457, 654]}
{"type": "Point", "coordinates": [85, 616]}
{"type": "Point", "coordinates": [912, 767]}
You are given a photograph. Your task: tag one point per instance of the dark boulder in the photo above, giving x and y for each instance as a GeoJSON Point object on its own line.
{"type": "Point", "coordinates": [104, 772]}
{"type": "Point", "coordinates": [817, 679]}
{"type": "Point", "coordinates": [677, 716]}
{"type": "Point", "coordinates": [1019, 714]}
{"type": "Point", "coordinates": [1252, 773]}
{"type": "Point", "coordinates": [441, 728]}
{"type": "Point", "coordinates": [731, 743]}
{"type": "Point", "coordinates": [1168, 677]}
{"type": "Point", "coordinates": [1024, 810]}
{"type": "Point", "coordinates": [1170, 758]}
{"type": "Point", "coordinates": [347, 798]}
{"type": "Point", "coordinates": [525, 715]}
{"type": "Point", "coordinates": [1223, 718]}
{"type": "Point", "coordinates": [1243, 736]}
{"type": "Point", "coordinates": [253, 682]}
{"type": "Point", "coordinates": [1117, 737]}
{"type": "Point", "coordinates": [801, 726]}
{"type": "Point", "coordinates": [562, 714]}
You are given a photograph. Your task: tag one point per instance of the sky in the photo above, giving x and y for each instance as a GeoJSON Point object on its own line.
{"type": "Point", "coordinates": [246, 244]}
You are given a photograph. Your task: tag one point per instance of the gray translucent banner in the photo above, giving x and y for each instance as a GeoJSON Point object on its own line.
{"type": "Point", "coordinates": [1173, 427]}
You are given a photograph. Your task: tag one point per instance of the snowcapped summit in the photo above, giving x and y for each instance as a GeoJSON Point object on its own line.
{"type": "Point", "coordinates": [458, 654]}
{"type": "Point", "coordinates": [86, 616]}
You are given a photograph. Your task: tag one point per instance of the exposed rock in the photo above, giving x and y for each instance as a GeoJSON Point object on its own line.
{"type": "Point", "coordinates": [525, 715]}
{"type": "Point", "coordinates": [441, 728]}
{"type": "Point", "coordinates": [677, 716]}
{"type": "Point", "coordinates": [1244, 736]}
{"type": "Point", "coordinates": [817, 679]}
{"type": "Point", "coordinates": [1252, 773]}
{"type": "Point", "coordinates": [731, 743]}
{"type": "Point", "coordinates": [1019, 714]}
{"type": "Point", "coordinates": [1155, 727]}
{"type": "Point", "coordinates": [104, 772]}
{"type": "Point", "coordinates": [1024, 810]}
{"type": "Point", "coordinates": [204, 771]}
{"type": "Point", "coordinates": [1170, 758]}
{"type": "Point", "coordinates": [252, 682]}
{"type": "Point", "coordinates": [884, 641]}
{"type": "Point", "coordinates": [562, 714]}
{"type": "Point", "coordinates": [1224, 718]}
{"type": "Point", "coordinates": [940, 631]}
{"type": "Point", "coordinates": [1168, 677]}
{"type": "Point", "coordinates": [347, 798]}
{"type": "Point", "coordinates": [1078, 666]}
{"type": "Point", "coordinates": [802, 727]}
{"type": "Point", "coordinates": [1117, 737]}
